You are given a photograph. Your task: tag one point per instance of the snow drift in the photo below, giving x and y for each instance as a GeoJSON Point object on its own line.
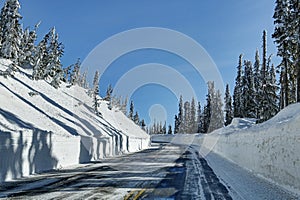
{"type": "Point", "coordinates": [43, 128]}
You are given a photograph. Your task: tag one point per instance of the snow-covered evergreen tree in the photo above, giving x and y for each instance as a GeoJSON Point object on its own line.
{"type": "Point", "coordinates": [180, 116]}
{"type": "Point", "coordinates": [96, 93]}
{"type": "Point", "coordinates": [213, 115]}
{"type": "Point", "coordinates": [131, 110]}
{"type": "Point", "coordinates": [164, 128]}
{"type": "Point", "coordinates": [96, 99]}
{"type": "Point", "coordinates": [206, 117]}
{"type": "Point", "coordinates": [228, 107]}
{"type": "Point", "coordinates": [66, 74]}
{"type": "Point", "coordinates": [186, 120]}
{"type": "Point", "coordinates": [53, 68]}
{"type": "Point", "coordinates": [124, 106]}
{"type": "Point", "coordinates": [151, 130]}
{"type": "Point", "coordinates": [257, 82]}
{"type": "Point", "coordinates": [57, 78]}
{"type": "Point", "coordinates": [41, 58]}
{"type": "Point", "coordinates": [109, 92]}
{"type": "Point", "coordinates": [160, 128]}
{"type": "Point", "coordinates": [170, 130]}
{"type": "Point", "coordinates": [199, 119]}
{"type": "Point", "coordinates": [219, 110]}
{"type": "Point", "coordinates": [264, 58]}
{"type": "Point", "coordinates": [96, 79]}
{"type": "Point", "coordinates": [248, 102]}
{"type": "Point", "coordinates": [270, 99]}
{"type": "Point", "coordinates": [237, 95]}
{"type": "Point", "coordinates": [83, 80]}
{"type": "Point", "coordinates": [47, 63]}
{"type": "Point", "coordinates": [28, 48]}
{"type": "Point", "coordinates": [282, 35]}
{"type": "Point", "coordinates": [217, 114]}
{"type": "Point", "coordinates": [136, 118]}
{"type": "Point", "coordinates": [116, 101]}
{"type": "Point", "coordinates": [75, 75]}
{"type": "Point", "coordinates": [187, 117]}
{"type": "Point", "coordinates": [143, 124]}
{"type": "Point", "coordinates": [193, 121]}
{"type": "Point", "coordinates": [11, 31]}
{"type": "Point", "coordinates": [176, 125]}
{"type": "Point", "coordinates": [296, 39]}
{"type": "Point", "coordinates": [155, 127]}
{"type": "Point", "coordinates": [208, 109]}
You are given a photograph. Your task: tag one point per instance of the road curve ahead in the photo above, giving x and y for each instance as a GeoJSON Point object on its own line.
{"type": "Point", "coordinates": [163, 171]}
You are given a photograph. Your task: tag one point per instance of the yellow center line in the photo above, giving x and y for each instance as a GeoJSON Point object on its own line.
{"type": "Point", "coordinates": [129, 195]}
{"type": "Point", "coordinates": [139, 194]}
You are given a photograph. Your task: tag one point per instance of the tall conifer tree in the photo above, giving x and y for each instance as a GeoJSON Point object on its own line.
{"type": "Point", "coordinates": [237, 98]}
{"type": "Point", "coordinates": [11, 31]}
{"type": "Point", "coordinates": [228, 107]}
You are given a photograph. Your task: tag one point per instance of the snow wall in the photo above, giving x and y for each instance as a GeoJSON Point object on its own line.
{"type": "Point", "coordinates": [275, 156]}
{"type": "Point", "coordinates": [30, 152]}
{"type": "Point", "coordinates": [25, 153]}
{"type": "Point", "coordinates": [271, 149]}
{"type": "Point", "coordinates": [97, 148]}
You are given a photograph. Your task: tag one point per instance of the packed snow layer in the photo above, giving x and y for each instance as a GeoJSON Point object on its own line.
{"type": "Point", "coordinates": [270, 149]}
{"type": "Point", "coordinates": [28, 152]}
{"type": "Point", "coordinates": [43, 128]}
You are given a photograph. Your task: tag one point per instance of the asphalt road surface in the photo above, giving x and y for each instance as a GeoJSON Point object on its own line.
{"type": "Point", "coordinates": [163, 171]}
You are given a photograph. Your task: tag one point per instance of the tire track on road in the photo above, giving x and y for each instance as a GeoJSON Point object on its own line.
{"type": "Point", "coordinates": [202, 175]}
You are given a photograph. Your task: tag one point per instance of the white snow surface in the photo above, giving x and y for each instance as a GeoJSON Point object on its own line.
{"type": "Point", "coordinates": [270, 150]}
{"type": "Point", "coordinates": [57, 128]}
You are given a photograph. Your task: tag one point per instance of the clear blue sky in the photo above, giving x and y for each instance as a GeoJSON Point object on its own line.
{"type": "Point", "coordinates": [224, 28]}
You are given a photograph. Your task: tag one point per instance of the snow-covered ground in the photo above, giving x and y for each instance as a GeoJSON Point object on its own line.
{"type": "Point", "coordinates": [270, 150]}
{"type": "Point", "coordinates": [43, 128]}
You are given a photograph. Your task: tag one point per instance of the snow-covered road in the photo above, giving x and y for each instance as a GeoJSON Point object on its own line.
{"type": "Point", "coordinates": [162, 172]}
